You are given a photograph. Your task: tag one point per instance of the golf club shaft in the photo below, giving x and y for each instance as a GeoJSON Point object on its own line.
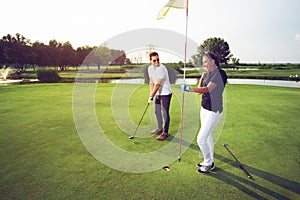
{"type": "Point", "coordinates": [141, 120]}
{"type": "Point", "coordinates": [238, 163]}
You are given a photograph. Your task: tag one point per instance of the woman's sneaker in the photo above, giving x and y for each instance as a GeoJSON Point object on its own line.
{"type": "Point", "coordinates": [206, 169]}
{"type": "Point", "coordinates": [200, 164]}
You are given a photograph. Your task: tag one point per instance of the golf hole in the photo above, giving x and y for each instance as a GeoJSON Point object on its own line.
{"type": "Point", "coordinates": [166, 168]}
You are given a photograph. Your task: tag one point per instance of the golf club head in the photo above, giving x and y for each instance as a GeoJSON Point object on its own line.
{"type": "Point", "coordinates": [224, 145]}
{"type": "Point", "coordinates": [166, 168]}
{"type": "Point", "coordinates": [179, 158]}
{"type": "Point", "coordinates": [131, 137]}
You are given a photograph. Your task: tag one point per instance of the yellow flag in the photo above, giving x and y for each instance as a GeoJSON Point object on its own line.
{"type": "Point", "coordinates": [171, 4]}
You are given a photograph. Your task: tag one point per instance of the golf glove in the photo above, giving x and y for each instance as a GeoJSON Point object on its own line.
{"type": "Point", "coordinates": [150, 99]}
{"type": "Point", "coordinates": [185, 88]}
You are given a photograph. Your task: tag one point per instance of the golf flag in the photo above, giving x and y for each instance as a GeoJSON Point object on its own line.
{"type": "Point", "coordinates": [171, 4]}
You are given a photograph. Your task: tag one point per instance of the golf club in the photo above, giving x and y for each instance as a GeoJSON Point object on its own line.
{"type": "Point", "coordinates": [237, 162]}
{"type": "Point", "coordinates": [179, 158]}
{"type": "Point", "coordinates": [131, 137]}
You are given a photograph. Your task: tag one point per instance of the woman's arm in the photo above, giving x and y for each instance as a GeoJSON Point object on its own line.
{"type": "Point", "coordinates": [202, 79]}
{"type": "Point", "coordinates": [204, 89]}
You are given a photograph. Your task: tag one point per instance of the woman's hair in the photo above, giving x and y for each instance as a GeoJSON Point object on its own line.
{"type": "Point", "coordinates": [153, 54]}
{"type": "Point", "coordinates": [213, 57]}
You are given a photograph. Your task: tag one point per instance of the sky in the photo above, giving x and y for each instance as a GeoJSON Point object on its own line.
{"type": "Point", "coordinates": [257, 31]}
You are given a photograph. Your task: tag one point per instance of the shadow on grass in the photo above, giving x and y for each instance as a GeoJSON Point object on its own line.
{"type": "Point", "coordinates": [236, 181]}
{"type": "Point", "coordinates": [171, 138]}
{"type": "Point", "coordinates": [282, 182]}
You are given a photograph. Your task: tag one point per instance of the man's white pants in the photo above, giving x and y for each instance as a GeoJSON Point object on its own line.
{"type": "Point", "coordinates": [209, 120]}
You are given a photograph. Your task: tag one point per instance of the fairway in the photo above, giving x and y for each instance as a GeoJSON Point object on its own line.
{"type": "Point", "coordinates": [43, 156]}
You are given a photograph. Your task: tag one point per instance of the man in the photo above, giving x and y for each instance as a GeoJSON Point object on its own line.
{"type": "Point", "coordinates": [211, 86]}
{"type": "Point", "coordinates": [161, 93]}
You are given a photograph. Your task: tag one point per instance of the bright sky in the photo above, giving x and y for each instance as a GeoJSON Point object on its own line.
{"type": "Point", "coordinates": [256, 30]}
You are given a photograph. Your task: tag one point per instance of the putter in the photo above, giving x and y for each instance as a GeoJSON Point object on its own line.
{"type": "Point", "coordinates": [237, 162]}
{"type": "Point", "coordinates": [131, 137]}
{"type": "Point", "coordinates": [179, 158]}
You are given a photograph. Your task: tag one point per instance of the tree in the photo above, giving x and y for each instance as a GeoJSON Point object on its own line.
{"type": "Point", "coordinates": [15, 50]}
{"type": "Point", "coordinates": [216, 46]}
{"type": "Point", "coordinates": [118, 57]}
{"type": "Point", "coordinates": [82, 53]}
{"type": "Point", "coordinates": [235, 61]}
{"type": "Point", "coordinates": [53, 53]}
{"type": "Point", "coordinates": [19, 52]}
{"type": "Point", "coordinates": [67, 56]}
{"type": "Point", "coordinates": [40, 50]}
{"type": "Point", "coordinates": [99, 56]}
{"type": "Point", "coordinates": [150, 48]}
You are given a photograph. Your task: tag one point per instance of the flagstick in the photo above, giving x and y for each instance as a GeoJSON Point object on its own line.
{"type": "Point", "coordinates": [186, 32]}
{"type": "Point", "coordinates": [184, 66]}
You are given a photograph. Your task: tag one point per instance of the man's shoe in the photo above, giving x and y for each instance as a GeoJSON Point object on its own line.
{"type": "Point", "coordinates": [162, 136]}
{"type": "Point", "coordinates": [156, 131]}
{"type": "Point", "coordinates": [206, 169]}
{"type": "Point", "coordinates": [200, 164]}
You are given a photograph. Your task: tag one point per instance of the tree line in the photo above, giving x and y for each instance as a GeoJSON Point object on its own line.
{"type": "Point", "coordinates": [20, 52]}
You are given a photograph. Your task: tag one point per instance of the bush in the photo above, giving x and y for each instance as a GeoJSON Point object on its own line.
{"type": "Point", "coordinates": [48, 76]}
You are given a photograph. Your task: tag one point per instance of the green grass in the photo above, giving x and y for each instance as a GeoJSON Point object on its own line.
{"type": "Point", "coordinates": [281, 74]}
{"type": "Point", "coordinates": [276, 72]}
{"type": "Point", "coordinates": [270, 74]}
{"type": "Point", "coordinates": [42, 156]}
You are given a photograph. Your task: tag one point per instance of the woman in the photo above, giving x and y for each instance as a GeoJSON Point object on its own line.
{"type": "Point", "coordinates": [211, 86]}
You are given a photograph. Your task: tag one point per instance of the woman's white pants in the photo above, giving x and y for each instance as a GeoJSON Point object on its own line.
{"type": "Point", "coordinates": [209, 120]}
